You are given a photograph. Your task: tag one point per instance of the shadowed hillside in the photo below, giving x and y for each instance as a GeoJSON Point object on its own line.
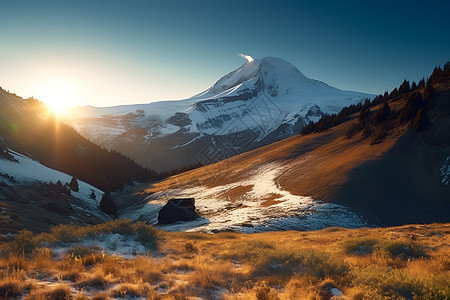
{"type": "Point", "coordinates": [26, 126]}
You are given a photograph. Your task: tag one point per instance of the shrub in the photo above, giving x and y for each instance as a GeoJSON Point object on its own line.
{"type": "Point", "coordinates": [10, 289]}
{"type": "Point", "coordinates": [132, 290]}
{"type": "Point", "coordinates": [82, 251]}
{"type": "Point", "coordinates": [60, 292]}
{"type": "Point", "coordinates": [146, 235]}
{"type": "Point", "coordinates": [395, 249]}
{"type": "Point", "coordinates": [63, 234]}
{"type": "Point", "coordinates": [404, 249]}
{"type": "Point", "coordinates": [25, 242]}
{"type": "Point", "coordinates": [398, 283]}
{"type": "Point", "coordinates": [303, 261]}
{"type": "Point", "coordinates": [265, 292]}
{"type": "Point", "coordinates": [360, 246]}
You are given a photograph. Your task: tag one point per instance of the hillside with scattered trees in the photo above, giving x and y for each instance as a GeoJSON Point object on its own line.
{"type": "Point", "coordinates": [27, 127]}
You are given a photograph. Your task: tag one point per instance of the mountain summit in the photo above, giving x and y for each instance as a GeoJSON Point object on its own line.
{"type": "Point", "coordinates": [279, 79]}
{"type": "Point", "coordinates": [262, 101]}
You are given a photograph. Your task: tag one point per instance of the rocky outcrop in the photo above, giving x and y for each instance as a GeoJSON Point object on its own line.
{"type": "Point", "coordinates": [177, 209]}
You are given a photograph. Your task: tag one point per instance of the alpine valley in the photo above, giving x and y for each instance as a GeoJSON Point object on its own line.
{"type": "Point", "coordinates": [340, 190]}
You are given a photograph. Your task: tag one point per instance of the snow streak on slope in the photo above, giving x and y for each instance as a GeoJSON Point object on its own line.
{"type": "Point", "coordinates": [263, 206]}
{"type": "Point", "coordinates": [28, 171]}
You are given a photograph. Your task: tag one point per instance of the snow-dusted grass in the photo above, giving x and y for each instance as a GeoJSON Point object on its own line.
{"type": "Point", "coordinates": [272, 265]}
{"type": "Point", "coordinates": [121, 237]}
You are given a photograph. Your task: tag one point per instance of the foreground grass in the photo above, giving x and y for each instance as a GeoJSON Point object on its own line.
{"type": "Point", "coordinates": [408, 262]}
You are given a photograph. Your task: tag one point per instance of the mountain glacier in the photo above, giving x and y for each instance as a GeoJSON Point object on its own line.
{"type": "Point", "coordinates": [262, 101]}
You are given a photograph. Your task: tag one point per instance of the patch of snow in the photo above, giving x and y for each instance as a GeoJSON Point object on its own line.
{"type": "Point", "coordinates": [335, 292]}
{"type": "Point", "coordinates": [445, 171]}
{"type": "Point", "coordinates": [251, 212]}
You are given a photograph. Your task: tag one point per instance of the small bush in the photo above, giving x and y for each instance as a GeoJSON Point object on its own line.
{"type": "Point", "coordinates": [10, 289]}
{"type": "Point", "coordinates": [146, 235]}
{"type": "Point", "coordinates": [397, 283]}
{"type": "Point", "coordinates": [64, 234]}
{"type": "Point", "coordinates": [67, 234]}
{"type": "Point", "coordinates": [303, 261]}
{"type": "Point", "coordinates": [97, 281]}
{"type": "Point", "coordinates": [190, 248]}
{"type": "Point", "coordinates": [82, 251]}
{"type": "Point", "coordinates": [132, 290]}
{"type": "Point", "coordinates": [265, 292]}
{"type": "Point", "coordinates": [395, 249]}
{"type": "Point", "coordinates": [61, 292]}
{"type": "Point", "coordinates": [360, 246]}
{"type": "Point", "coordinates": [405, 249]}
{"type": "Point", "coordinates": [25, 242]}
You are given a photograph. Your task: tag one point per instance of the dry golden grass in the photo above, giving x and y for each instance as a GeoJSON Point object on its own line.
{"type": "Point", "coordinates": [404, 262]}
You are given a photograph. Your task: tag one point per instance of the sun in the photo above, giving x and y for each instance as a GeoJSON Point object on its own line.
{"type": "Point", "coordinates": [58, 95]}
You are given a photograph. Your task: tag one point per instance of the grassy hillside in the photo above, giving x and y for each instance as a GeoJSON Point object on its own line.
{"type": "Point", "coordinates": [384, 263]}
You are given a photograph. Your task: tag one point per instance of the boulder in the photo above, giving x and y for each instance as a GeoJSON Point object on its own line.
{"type": "Point", "coordinates": [177, 209]}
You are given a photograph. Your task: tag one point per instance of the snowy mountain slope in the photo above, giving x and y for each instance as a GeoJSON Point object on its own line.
{"type": "Point", "coordinates": [264, 100]}
{"type": "Point", "coordinates": [26, 171]}
{"type": "Point", "coordinates": [36, 197]}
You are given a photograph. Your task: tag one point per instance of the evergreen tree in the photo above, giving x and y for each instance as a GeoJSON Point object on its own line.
{"type": "Point", "coordinates": [404, 88]}
{"type": "Point", "coordinates": [383, 113]}
{"type": "Point", "coordinates": [428, 93]}
{"type": "Point", "coordinates": [437, 75]}
{"type": "Point", "coordinates": [364, 113]}
{"type": "Point", "coordinates": [421, 83]}
{"type": "Point", "coordinates": [108, 205]}
{"type": "Point", "coordinates": [447, 70]}
{"type": "Point", "coordinates": [74, 184]}
{"type": "Point", "coordinates": [61, 189]}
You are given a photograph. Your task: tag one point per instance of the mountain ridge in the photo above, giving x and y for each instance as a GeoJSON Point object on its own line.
{"type": "Point", "coordinates": [262, 101]}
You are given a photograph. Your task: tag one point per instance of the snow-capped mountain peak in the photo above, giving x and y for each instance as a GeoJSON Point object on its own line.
{"type": "Point", "coordinates": [242, 74]}
{"type": "Point", "coordinates": [271, 75]}
{"type": "Point", "coordinates": [267, 99]}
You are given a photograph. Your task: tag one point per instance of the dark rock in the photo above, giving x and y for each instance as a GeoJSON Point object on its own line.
{"type": "Point", "coordinates": [181, 209]}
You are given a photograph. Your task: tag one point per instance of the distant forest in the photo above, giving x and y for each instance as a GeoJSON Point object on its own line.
{"type": "Point", "coordinates": [374, 123]}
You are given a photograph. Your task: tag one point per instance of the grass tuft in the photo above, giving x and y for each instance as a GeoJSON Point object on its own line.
{"type": "Point", "coordinates": [404, 249]}
{"type": "Point", "coordinates": [59, 292]}
{"type": "Point", "coordinates": [395, 249]}
{"type": "Point", "coordinates": [288, 262]}
{"type": "Point", "coordinates": [360, 246]}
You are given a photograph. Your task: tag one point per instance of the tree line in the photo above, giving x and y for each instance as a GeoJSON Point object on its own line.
{"type": "Point", "coordinates": [418, 98]}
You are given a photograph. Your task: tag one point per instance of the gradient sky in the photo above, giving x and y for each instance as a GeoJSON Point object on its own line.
{"type": "Point", "coordinates": [105, 53]}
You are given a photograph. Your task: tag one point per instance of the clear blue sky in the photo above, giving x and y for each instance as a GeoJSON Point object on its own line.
{"type": "Point", "coordinates": [117, 52]}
